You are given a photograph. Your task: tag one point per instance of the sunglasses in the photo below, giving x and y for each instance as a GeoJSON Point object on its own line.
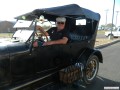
{"type": "Point", "coordinates": [60, 22]}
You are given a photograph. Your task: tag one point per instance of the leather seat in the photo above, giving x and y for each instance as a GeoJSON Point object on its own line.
{"type": "Point", "coordinates": [79, 34]}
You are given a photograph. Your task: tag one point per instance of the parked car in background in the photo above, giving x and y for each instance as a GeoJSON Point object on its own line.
{"type": "Point", "coordinates": [24, 67]}
{"type": "Point", "coordinates": [115, 33]}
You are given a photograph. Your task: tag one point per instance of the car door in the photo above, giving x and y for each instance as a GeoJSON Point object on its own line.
{"type": "Point", "coordinates": [52, 57]}
{"type": "Point", "coordinates": [44, 58]}
{"type": "Point", "coordinates": [22, 62]}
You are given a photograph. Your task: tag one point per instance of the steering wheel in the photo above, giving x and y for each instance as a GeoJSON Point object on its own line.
{"type": "Point", "coordinates": [40, 37]}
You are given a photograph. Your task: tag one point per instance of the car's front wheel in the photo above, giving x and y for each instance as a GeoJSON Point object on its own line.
{"type": "Point", "coordinates": [91, 69]}
{"type": "Point", "coordinates": [110, 36]}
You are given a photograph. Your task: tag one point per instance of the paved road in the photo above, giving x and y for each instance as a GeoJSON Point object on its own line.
{"type": "Point", "coordinates": [101, 36]}
{"type": "Point", "coordinates": [109, 71]}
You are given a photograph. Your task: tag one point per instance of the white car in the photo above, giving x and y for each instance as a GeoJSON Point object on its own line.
{"type": "Point", "coordinates": [114, 33]}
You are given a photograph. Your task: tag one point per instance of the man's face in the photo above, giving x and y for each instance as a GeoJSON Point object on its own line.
{"type": "Point", "coordinates": [60, 25]}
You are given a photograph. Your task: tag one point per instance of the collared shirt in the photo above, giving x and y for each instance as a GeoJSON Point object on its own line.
{"type": "Point", "coordinates": [56, 35]}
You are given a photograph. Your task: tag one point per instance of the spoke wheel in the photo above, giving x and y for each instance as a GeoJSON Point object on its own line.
{"type": "Point", "coordinates": [91, 69]}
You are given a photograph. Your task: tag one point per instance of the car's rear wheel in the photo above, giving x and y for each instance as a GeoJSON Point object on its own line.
{"type": "Point", "coordinates": [91, 69]}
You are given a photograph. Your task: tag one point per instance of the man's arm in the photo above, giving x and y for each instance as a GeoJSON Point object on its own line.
{"type": "Point", "coordinates": [60, 41]}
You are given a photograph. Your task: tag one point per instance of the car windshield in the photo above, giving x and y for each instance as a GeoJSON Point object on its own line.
{"type": "Point", "coordinates": [22, 35]}
{"type": "Point", "coordinates": [24, 30]}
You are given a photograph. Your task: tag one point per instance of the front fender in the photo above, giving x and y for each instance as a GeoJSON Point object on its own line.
{"type": "Point", "coordinates": [4, 65]}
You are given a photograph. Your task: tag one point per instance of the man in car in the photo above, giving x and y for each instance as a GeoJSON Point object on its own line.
{"type": "Point", "coordinates": [58, 35]}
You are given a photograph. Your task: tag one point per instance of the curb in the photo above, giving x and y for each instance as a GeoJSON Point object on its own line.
{"type": "Point", "coordinates": [108, 44]}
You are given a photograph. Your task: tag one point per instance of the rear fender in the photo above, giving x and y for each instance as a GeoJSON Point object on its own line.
{"type": "Point", "coordinates": [88, 53]}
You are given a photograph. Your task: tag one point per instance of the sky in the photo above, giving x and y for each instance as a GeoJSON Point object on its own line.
{"type": "Point", "coordinates": [12, 8]}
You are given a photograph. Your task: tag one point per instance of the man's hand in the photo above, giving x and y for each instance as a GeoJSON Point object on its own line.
{"type": "Point", "coordinates": [39, 28]}
{"type": "Point", "coordinates": [35, 44]}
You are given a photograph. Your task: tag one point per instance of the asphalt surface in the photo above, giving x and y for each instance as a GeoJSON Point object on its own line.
{"type": "Point", "coordinates": [102, 36]}
{"type": "Point", "coordinates": [108, 74]}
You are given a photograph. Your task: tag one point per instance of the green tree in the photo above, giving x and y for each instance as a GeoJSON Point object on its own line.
{"type": "Point", "coordinates": [102, 27]}
{"type": "Point", "coordinates": [110, 25]}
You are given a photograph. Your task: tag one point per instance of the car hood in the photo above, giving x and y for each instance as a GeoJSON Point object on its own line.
{"type": "Point", "coordinates": [7, 41]}
{"type": "Point", "coordinates": [12, 46]}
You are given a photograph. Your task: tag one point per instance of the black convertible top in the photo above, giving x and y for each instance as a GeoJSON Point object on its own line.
{"type": "Point", "coordinates": [71, 10]}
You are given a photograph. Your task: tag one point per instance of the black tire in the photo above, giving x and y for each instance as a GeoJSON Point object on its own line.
{"type": "Point", "coordinates": [91, 69]}
{"type": "Point", "coordinates": [110, 35]}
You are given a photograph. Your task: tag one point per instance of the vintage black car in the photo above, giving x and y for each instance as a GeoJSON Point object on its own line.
{"type": "Point", "coordinates": [23, 67]}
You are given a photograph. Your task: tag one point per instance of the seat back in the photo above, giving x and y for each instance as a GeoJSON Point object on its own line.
{"type": "Point", "coordinates": [79, 34]}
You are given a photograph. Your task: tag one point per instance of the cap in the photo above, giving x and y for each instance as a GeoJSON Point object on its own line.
{"type": "Point", "coordinates": [61, 19]}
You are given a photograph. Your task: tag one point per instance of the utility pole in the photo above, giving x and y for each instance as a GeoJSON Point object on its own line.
{"type": "Point", "coordinates": [111, 36]}
{"type": "Point", "coordinates": [116, 17]}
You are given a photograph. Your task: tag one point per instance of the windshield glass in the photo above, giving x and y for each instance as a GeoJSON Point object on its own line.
{"type": "Point", "coordinates": [22, 35]}
{"type": "Point", "coordinates": [24, 30]}
{"type": "Point", "coordinates": [23, 24]}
